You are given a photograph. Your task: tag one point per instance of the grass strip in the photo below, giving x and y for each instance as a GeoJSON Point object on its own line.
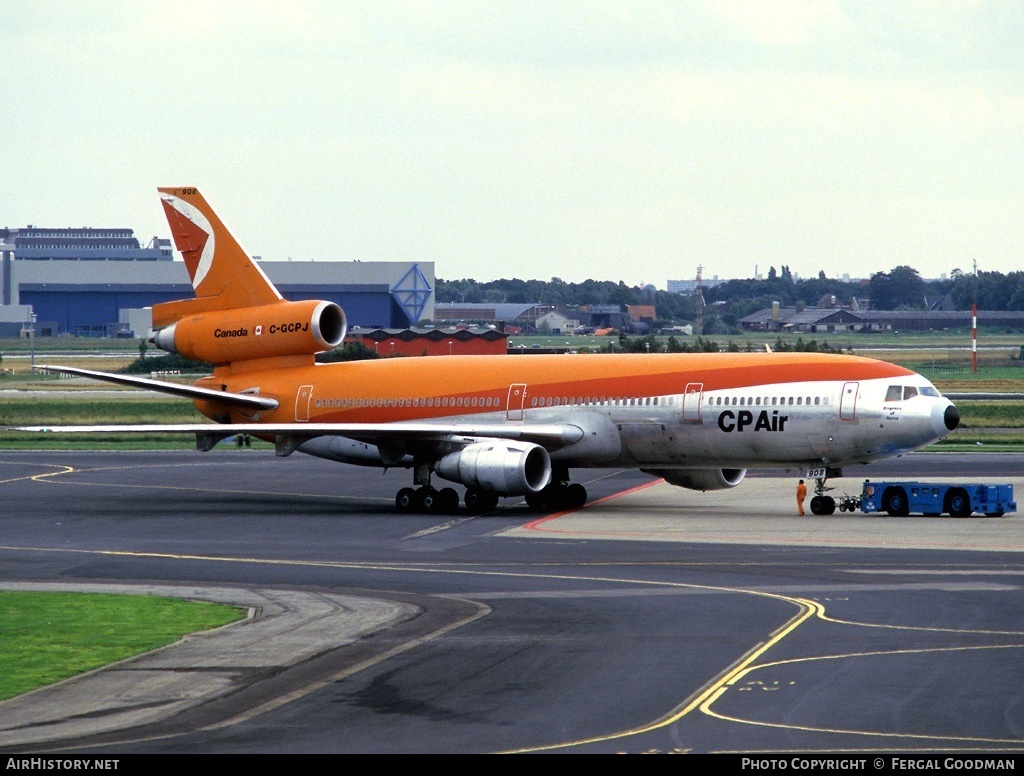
{"type": "Point", "coordinates": [80, 409]}
{"type": "Point", "coordinates": [49, 636]}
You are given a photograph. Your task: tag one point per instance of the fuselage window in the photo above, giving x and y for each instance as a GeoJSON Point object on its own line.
{"type": "Point", "coordinates": [817, 400]}
{"type": "Point", "coordinates": [775, 400]}
{"type": "Point", "coordinates": [799, 400]}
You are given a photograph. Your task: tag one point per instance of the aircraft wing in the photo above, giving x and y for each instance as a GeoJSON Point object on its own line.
{"type": "Point", "coordinates": [240, 400]}
{"type": "Point", "coordinates": [288, 436]}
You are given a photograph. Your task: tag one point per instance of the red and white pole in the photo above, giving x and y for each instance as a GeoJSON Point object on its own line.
{"type": "Point", "coordinates": [974, 339]}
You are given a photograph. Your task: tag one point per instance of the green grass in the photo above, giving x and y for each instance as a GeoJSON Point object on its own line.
{"type": "Point", "coordinates": [79, 408]}
{"type": "Point", "coordinates": [48, 637]}
{"type": "Point", "coordinates": [982, 414]}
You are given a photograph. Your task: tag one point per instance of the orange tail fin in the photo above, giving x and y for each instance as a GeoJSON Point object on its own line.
{"type": "Point", "coordinates": [223, 275]}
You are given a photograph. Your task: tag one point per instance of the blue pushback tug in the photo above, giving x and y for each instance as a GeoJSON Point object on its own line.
{"type": "Point", "coordinates": [900, 498]}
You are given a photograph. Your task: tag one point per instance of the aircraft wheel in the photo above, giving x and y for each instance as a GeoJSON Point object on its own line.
{"type": "Point", "coordinates": [448, 501]}
{"type": "Point", "coordinates": [536, 501]}
{"type": "Point", "coordinates": [958, 503]}
{"type": "Point", "coordinates": [575, 496]}
{"type": "Point", "coordinates": [894, 501]}
{"type": "Point", "coordinates": [429, 499]}
{"type": "Point", "coordinates": [479, 501]}
{"type": "Point", "coordinates": [406, 500]}
{"type": "Point", "coordinates": [816, 506]}
{"type": "Point", "coordinates": [828, 505]}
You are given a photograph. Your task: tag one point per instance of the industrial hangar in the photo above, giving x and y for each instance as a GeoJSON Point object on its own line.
{"type": "Point", "coordinates": [99, 282]}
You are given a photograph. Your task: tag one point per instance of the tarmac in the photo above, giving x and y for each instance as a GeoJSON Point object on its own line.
{"type": "Point", "coordinates": [286, 631]}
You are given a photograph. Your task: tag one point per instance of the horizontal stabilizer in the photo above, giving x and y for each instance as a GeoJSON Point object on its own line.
{"type": "Point", "coordinates": [240, 400]}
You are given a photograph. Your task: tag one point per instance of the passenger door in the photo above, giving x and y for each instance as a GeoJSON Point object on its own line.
{"type": "Point", "coordinates": [302, 399]}
{"type": "Point", "coordinates": [516, 400]}
{"type": "Point", "coordinates": [848, 401]}
{"type": "Point", "coordinates": [691, 401]}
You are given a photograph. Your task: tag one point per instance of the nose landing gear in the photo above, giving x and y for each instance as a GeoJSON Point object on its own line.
{"type": "Point", "coordinates": [822, 504]}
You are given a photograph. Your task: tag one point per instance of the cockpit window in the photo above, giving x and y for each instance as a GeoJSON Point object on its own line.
{"type": "Point", "coordinates": [909, 392]}
{"type": "Point", "coordinates": [927, 390]}
{"type": "Point", "coordinates": [894, 393]}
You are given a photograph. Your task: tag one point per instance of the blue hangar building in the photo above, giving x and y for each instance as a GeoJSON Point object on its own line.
{"type": "Point", "coordinates": [99, 282]}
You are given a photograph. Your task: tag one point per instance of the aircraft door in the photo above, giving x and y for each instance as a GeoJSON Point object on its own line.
{"type": "Point", "coordinates": [302, 399]}
{"type": "Point", "coordinates": [691, 401]}
{"type": "Point", "coordinates": [848, 401]}
{"type": "Point", "coordinates": [516, 401]}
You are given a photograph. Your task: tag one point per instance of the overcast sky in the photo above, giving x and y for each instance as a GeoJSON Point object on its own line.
{"type": "Point", "coordinates": [611, 140]}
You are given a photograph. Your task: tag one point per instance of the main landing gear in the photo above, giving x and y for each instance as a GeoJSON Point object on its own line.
{"type": "Point", "coordinates": [559, 494]}
{"type": "Point", "coordinates": [427, 499]}
{"type": "Point", "coordinates": [820, 503]}
{"type": "Point", "coordinates": [445, 501]}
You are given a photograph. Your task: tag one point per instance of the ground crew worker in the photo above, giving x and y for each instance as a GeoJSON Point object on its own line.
{"type": "Point", "coordinates": [801, 494]}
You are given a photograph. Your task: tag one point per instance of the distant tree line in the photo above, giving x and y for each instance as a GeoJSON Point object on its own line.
{"type": "Point", "coordinates": [651, 344]}
{"type": "Point", "coordinates": [901, 288]}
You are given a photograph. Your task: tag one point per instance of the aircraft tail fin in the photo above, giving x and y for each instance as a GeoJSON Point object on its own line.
{"type": "Point", "coordinates": [237, 314]}
{"type": "Point", "coordinates": [223, 274]}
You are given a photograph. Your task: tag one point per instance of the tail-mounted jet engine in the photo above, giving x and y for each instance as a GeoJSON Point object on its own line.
{"type": "Point", "coordinates": [701, 479]}
{"type": "Point", "coordinates": [265, 331]}
{"type": "Point", "coordinates": [507, 469]}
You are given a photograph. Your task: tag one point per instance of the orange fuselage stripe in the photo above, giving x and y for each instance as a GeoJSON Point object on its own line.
{"type": "Point", "coordinates": [571, 376]}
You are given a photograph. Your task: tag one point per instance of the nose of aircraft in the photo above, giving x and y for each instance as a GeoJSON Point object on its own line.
{"type": "Point", "coordinates": [951, 417]}
{"type": "Point", "coordinates": [945, 418]}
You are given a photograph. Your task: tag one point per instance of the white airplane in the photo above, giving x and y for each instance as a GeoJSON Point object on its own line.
{"type": "Point", "coordinates": [511, 426]}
